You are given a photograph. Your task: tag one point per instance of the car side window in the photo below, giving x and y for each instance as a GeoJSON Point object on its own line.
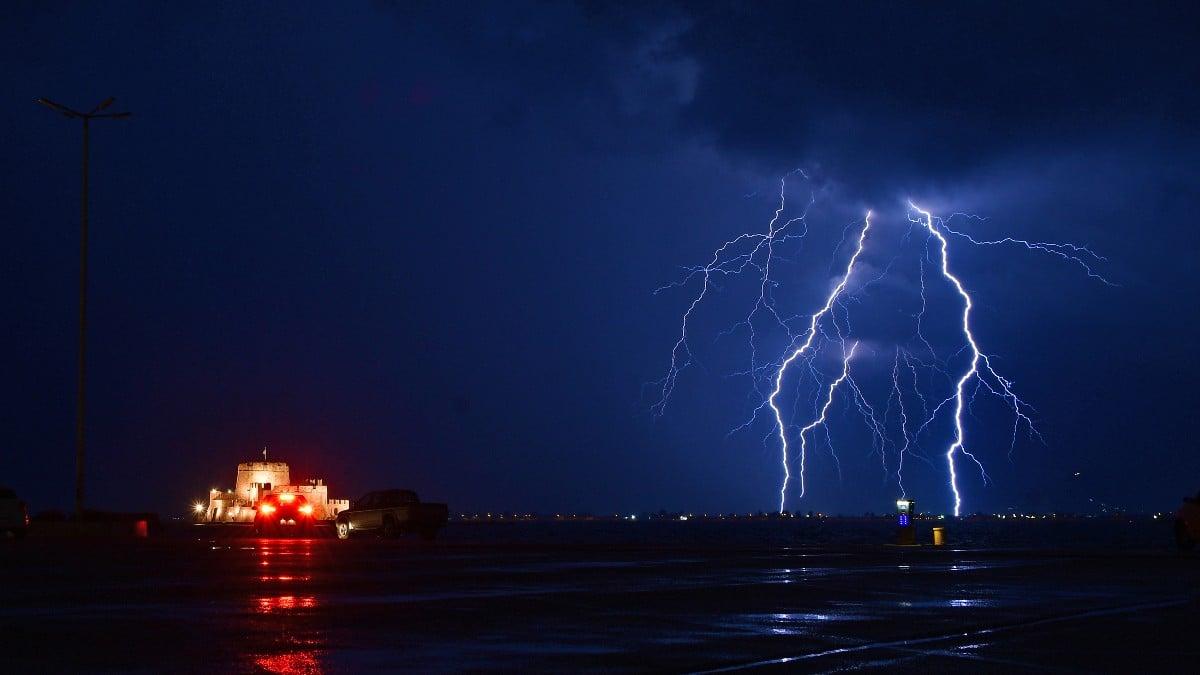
{"type": "Point", "coordinates": [367, 501]}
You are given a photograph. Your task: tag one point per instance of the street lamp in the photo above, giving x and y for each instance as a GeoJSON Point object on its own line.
{"type": "Point", "coordinates": [81, 381]}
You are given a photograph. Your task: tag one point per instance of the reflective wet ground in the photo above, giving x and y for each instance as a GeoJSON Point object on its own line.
{"type": "Point", "coordinates": [220, 603]}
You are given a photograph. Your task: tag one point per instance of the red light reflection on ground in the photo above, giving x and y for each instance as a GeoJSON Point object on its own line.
{"type": "Point", "coordinates": [285, 603]}
{"type": "Point", "coordinates": [294, 663]}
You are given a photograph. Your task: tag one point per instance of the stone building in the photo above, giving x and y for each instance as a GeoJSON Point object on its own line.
{"type": "Point", "coordinates": [257, 479]}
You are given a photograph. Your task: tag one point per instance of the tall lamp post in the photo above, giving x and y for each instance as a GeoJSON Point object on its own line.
{"type": "Point", "coordinates": [81, 376]}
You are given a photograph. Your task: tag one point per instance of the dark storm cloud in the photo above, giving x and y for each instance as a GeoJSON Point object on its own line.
{"type": "Point", "coordinates": [938, 86]}
{"type": "Point", "coordinates": [589, 74]}
{"type": "Point", "coordinates": [866, 91]}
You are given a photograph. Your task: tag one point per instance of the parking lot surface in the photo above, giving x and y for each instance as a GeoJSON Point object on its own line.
{"type": "Point", "coordinates": [218, 602]}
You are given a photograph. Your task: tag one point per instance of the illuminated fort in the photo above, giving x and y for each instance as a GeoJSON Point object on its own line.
{"type": "Point", "coordinates": [258, 479]}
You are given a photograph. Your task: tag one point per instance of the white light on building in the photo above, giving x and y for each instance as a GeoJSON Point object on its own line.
{"type": "Point", "coordinates": [258, 479]}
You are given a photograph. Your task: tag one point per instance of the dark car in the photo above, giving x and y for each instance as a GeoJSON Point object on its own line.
{"type": "Point", "coordinates": [14, 517]}
{"type": "Point", "coordinates": [1187, 523]}
{"type": "Point", "coordinates": [391, 513]}
{"type": "Point", "coordinates": [286, 511]}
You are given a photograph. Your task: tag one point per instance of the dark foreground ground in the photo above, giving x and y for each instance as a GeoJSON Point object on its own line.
{"type": "Point", "coordinates": [565, 597]}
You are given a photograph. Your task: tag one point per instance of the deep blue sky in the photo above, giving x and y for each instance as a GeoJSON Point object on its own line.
{"type": "Point", "coordinates": [411, 244]}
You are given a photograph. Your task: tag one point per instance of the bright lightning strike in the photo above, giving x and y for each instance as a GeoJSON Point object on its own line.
{"type": "Point", "coordinates": [810, 334]}
{"type": "Point", "coordinates": [819, 421]}
{"type": "Point", "coordinates": [998, 385]}
{"type": "Point", "coordinates": [831, 325]}
{"type": "Point", "coordinates": [957, 444]}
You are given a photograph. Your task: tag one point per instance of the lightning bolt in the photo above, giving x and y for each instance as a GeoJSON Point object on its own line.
{"type": "Point", "coordinates": [809, 335]}
{"type": "Point", "coordinates": [1067, 251]}
{"type": "Point", "coordinates": [730, 258]}
{"type": "Point", "coordinates": [830, 325]}
{"type": "Point", "coordinates": [819, 421]}
{"type": "Point", "coordinates": [957, 444]}
{"type": "Point", "coordinates": [980, 366]}
{"type": "Point", "coordinates": [898, 396]}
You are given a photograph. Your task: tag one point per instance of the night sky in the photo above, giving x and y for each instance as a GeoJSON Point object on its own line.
{"type": "Point", "coordinates": [413, 245]}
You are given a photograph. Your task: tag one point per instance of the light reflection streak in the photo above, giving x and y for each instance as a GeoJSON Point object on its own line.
{"type": "Point", "coordinates": [294, 641]}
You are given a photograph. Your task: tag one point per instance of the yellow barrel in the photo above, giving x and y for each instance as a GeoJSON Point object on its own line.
{"type": "Point", "coordinates": [939, 536]}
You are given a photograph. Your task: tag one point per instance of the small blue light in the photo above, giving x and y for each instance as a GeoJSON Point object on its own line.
{"type": "Point", "coordinates": [903, 520]}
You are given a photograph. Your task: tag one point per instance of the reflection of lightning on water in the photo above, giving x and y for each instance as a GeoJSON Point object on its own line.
{"type": "Point", "coordinates": [911, 371]}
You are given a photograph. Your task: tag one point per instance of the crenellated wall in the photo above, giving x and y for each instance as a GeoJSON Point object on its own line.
{"type": "Point", "coordinates": [253, 478]}
{"type": "Point", "coordinates": [256, 479]}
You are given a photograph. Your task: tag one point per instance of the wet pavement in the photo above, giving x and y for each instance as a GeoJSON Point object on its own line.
{"type": "Point", "coordinates": [221, 603]}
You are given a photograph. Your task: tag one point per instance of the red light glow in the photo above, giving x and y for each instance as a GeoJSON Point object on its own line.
{"type": "Point", "coordinates": [293, 663]}
{"type": "Point", "coordinates": [287, 497]}
{"type": "Point", "coordinates": [266, 508]}
{"type": "Point", "coordinates": [285, 602]}
{"type": "Point", "coordinates": [306, 509]}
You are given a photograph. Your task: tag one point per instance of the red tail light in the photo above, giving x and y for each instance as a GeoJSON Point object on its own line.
{"type": "Point", "coordinates": [287, 497]}
{"type": "Point", "coordinates": [266, 508]}
{"type": "Point", "coordinates": [306, 509]}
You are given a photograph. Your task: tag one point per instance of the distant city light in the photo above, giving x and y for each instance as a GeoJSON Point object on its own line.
{"type": "Point", "coordinates": [198, 508]}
